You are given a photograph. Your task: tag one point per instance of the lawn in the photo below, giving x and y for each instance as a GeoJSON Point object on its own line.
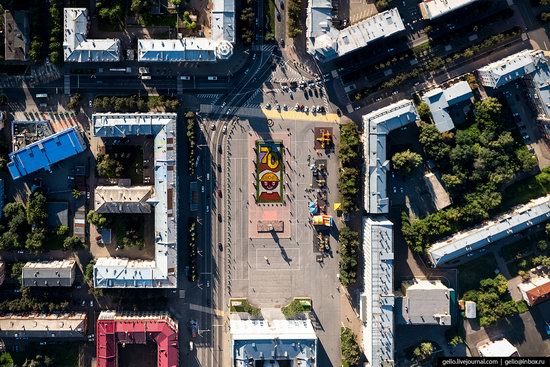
{"type": "Point", "coordinates": [471, 273]}
{"type": "Point", "coordinates": [270, 23]}
{"type": "Point", "coordinates": [523, 191]}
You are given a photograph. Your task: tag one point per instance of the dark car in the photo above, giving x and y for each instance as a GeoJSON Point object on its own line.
{"type": "Point", "coordinates": [220, 246]}
{"type": "Point", "coordinates": [282, 3]}
{"type": "Point", "coordinates": [278, 15]}
{"type": "Point", "coordinates": [219, 217]}
{"type": "Point", "coordinates": [219, 148]}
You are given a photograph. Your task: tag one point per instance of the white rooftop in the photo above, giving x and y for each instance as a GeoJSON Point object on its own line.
{"type": "Point", "coordinates": [43, 325]}
{"type": "Point", "coordinates": [77, 48]}
{"type": "Point", "coordinates": [431, 9]}
{"type": "Point", "coordinates": [502, 226]}
{"type": "Point", "coordinates": [497, 348]}
{"type": "Point", "coordinates": [425, 302]}
{"type": "Point", "coordinates": [326, 42]}
{"type": "Point", "coordinates": [218, 47]}
{"type": "Point", "coordinates": [269, 330]}
{"type": "Point", "coordinates": [161, 272]}
{"type": "Point", "coordinates": [377, 125]}
{"type": "Point", "coordinates": [513, 67]}
{"type": "Point", "coordinates": [439, 99]}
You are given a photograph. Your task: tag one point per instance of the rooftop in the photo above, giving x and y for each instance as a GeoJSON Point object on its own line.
{"type": "Point", "coordinates": [377, 125]}
{"type": "Point", "coordinates": [16, 45]}
{"type": "Point", "coordinates": [377, 299]}
{"type": "Point", "coordinates": [498, 348]}
{"type": "Point", "coordinates": [59, 273]}
{"type": "Point", "coordinates": [537, 288]}
{"type": "Point", "coordinates": [325, 42]}
{"type": "Point", "coordinates": [27, 132]}
{"type": "Point", "coordinates": [520, 218]}
{"type": "Point", "coordinates": [431, 9]}
{"type": "Point", "coordinates": [115, 328]}
{"type": "Point", "coordinates": [44, 153]}
{"type": "Point", "coordinates": [76, 46]}
{"type": "Point", "coordinates": [218, 47]}
{"type": "Point", "coordinates": [424, 302]}
{"type": "Point", "coordinates": [439, 100]}
{"type": "Point", "coordinates": [289, 340]}
{"type": "Point", "coordinates": [511, 68]}
{"type": "Point", "coordinates": [119, 272]}
{"type": "Point", "coordinates": [43, 326]}
{"type": "Point", "coordinates": [122, 199]}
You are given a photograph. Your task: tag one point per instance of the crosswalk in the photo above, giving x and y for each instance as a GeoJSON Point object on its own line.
{"type": "Point", "coordinates": [211, 98]}
{"type": "Point", "coordinates": [39, 75]}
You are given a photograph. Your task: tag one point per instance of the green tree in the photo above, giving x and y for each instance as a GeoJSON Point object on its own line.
{"type": "Point", "coordinates": [108, 167]}
{"type": "Point", "coordinates": [349, 249]}
{"type": "Point", "coordinates": [36, 210]}
{"type": "Point", "coordinates": [424, 351]}
{"type": "Point", "coordinates": [350, 350]}
{"type": "Point", "coordinates": [382, 5]}
{"type": "Point", "coordinates": [6, 360]}
{"type": "Point", "coordinates": [140, 6]}
{"type": "Point", "coordinates": [17, 271]}
{"type": "Point", "coordinates": [35, 240]}
{"type": "Point", "coordinates": [72, 242]}
{"type": "Point", "coordinates": [349, 144]}
{"type": "Point", "coordinates": [542, 245]}
{"type": "Point", "coordinates": [62, 231]}
{"type": "Point", "coordinates": [541, 260]}
{"type": "Point", "coordinates": [433, 143]}
{"type": "Point", "coordinates": [89, 272]}
{"type": "Point", "coordinates": [96, 219]}
{"type": "Point", "coordinates": [348, 184]}
{"type": "Point", "coordinates": [424, 112]}
{"type": "Point", "coordinates": [406, 161]}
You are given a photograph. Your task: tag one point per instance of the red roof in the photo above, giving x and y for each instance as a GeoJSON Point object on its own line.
{"type": "Point", "coordinates": [539, 294]}
{"type": "Point", "coordinates": [162, 331]}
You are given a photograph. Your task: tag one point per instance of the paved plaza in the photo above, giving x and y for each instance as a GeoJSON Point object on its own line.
{"type": "Point", "coordinates": [270, 269]}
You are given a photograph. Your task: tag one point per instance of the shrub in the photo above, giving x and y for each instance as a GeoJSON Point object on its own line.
{"type": "Point", "coordinates": [350, 350]}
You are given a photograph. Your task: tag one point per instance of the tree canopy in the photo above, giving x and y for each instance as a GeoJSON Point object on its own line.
{"type": "Point", "coordinates": [406, 161]}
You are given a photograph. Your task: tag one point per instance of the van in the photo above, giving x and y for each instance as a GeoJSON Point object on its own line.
{"type": "Point", "coordinates": [185, 77]}
{"type": "Point", "coordinates": [212, 78]}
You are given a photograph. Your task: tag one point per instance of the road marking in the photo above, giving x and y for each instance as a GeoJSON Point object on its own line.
{"type": "Point", "coordinates": [300, 116]}
{"type": "Point", "coordinates": [208, 310]}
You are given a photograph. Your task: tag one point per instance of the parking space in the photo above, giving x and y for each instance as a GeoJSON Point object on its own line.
{"type": "Point", "coordinates": [525, 119]}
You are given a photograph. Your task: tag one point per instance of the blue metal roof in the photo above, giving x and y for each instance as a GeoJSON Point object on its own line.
{"type": "Point", "coordinates": [46, 152]}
